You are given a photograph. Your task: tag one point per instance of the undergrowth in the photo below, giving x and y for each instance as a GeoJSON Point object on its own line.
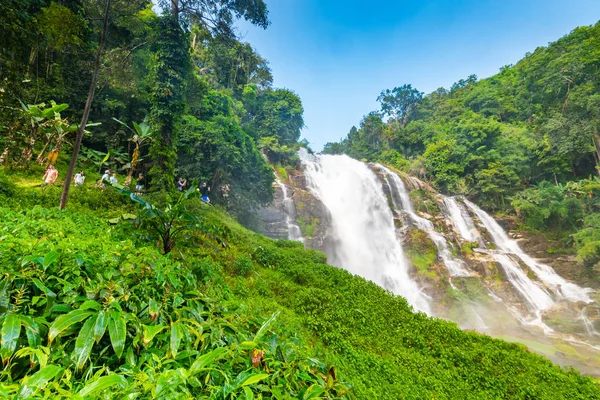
{"type": "Point", "coordinates": [91, 309]}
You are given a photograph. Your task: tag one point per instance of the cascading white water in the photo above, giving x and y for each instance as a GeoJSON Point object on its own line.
{"type": "Point", "coordinates": [561, 287]}
{"type": "Point", "coordinates": [362, 223]}
{"type": "Point", "coordinates": [455, 267]}
{"type": "Point", "coordinates": [537, 298]}
{"type": "Point", "coordinates": [589, 327]}
{"type": "Point", "coordinates": [294, 232]}
{"type": "Point", "coordinates": [461, 220]}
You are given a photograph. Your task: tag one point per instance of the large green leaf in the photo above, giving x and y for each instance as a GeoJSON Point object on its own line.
{"type": "Point", "coordinates": [4, 294]}
{"type": "Point", "coordinates": [11, 329]}
{"type": "Point", "coordinates": [101, 384]}
{"type": "Point", "coordinates": [252, 379]}
{"type": "Point", "coordinates": [84, 343]}
{"type": "Point", "coordinates": [265, 326]}
{"type": "Point", "coordinates": [100, 326]}
{"type": "Point", "coordinates": [206, 359]}
{"type": "Point", "coordinates": [50, 259]}
{"type": "Point", "coordinates": [150, 331]}
{"type": "Point", "coordinates": [36, 381]}
{"type": "Point", "coordinates": [313, 392]}
{"type": "Point", "coordinates": [32, 330]}
{"type": "Point", "coordinates": [177, 333]}
{"type": "Point", "coordinates": [117, 330]}
{"type": "Point", "coordinates": [65, 321]}
{"type": "Point", "coordinates": [50, 295]}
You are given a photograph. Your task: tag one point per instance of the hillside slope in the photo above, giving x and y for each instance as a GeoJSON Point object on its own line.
{"type": "Point", "coordinates": [214, 292]}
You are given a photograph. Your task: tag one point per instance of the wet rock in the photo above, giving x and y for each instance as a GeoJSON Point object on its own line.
{"type": "Point", "coordinates": [565, 317]}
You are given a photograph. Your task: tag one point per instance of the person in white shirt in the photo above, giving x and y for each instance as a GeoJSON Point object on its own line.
{"type": "Point", "coordinates": [113, 179]}
{"type": "Point", "coordinates": [79, 178]}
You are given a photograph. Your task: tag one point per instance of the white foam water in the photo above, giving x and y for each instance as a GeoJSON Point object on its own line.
{"type": "Point", "coordinates": [455, 266]}
{"type": "Point", "coordinates": [362, 223]}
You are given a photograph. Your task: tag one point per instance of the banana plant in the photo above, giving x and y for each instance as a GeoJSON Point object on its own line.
{"type": "Point", "coordinates": [167, 224]}
{"type": "Point", "coordinates": [141, 136]}
{"type": "Point", "coordinates": [38, 116]}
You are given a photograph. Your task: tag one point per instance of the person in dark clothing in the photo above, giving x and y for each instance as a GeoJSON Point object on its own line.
{"type": "Point", "coordinates": [181, 184]}
{"type": "Point", "coordinates": [139, 185]}
{"type": "Point", "coordinates": [204, 191]}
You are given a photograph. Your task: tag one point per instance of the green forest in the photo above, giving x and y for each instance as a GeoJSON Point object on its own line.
{"type": "Point", "coordinates": [108, 290]}
{"type": "Point", "coordinates": [524, 141]}
{"type": "Point", "coordinates": [175, 94]}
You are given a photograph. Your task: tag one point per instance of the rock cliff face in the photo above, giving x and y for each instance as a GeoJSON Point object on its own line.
{"type": "Point", "coordinates": [460, 269]}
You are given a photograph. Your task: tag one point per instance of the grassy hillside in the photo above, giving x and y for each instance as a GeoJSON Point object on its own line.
{"type": "Point", "coordinates": [89, 305]}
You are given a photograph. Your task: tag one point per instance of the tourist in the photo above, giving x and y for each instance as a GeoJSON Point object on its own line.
{"type": "Point", "coordinates": [50, 175]}
{"type": "Point", "coordinates": [79, 178]}
{"type": "Point", "coordinates": [204, 190]}
{"type": "Point", "coordinates": [181, 184]}
{"type": "Point", "coordinates": [139, 184]}
{"type": "Point", "coordinates": [113, 179]}
{"type": "Point", "coordinates": [106, 176]}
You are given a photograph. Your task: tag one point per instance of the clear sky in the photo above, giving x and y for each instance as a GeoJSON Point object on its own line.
{"type": "Point", "coordinates": [339, 54]}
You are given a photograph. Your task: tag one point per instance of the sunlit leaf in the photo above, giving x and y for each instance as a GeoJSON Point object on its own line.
{"type": "Point", "coordinates": [65, 321]}
{"type": "Point", "coordinates": [36, 381]}
{"type": "Point", "coordinates": [84, 343]}
{"type": "Point", "coordinates": [117, 330]}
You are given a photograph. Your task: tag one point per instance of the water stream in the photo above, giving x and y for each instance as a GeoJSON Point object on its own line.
{"type": "Point", "coordinates": [461, 220]}
{"type": "Point", "coordinates": [561, 287]}
{"type": "Point", "coordinates": [398, 190]}
{"type": "Point", "coordinates": [294, 232]}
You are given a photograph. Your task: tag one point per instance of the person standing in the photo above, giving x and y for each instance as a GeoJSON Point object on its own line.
{"type": "Point", "coordinates": [113, 179]}
{"type": "Point", "coordinates": [181, 184]}
{"type": "Point", "coordinates": [204, 191]}
{"type": "Point", "coordinates": [50, 175]}
{"type": "Point", "coordinates": [139, 184]}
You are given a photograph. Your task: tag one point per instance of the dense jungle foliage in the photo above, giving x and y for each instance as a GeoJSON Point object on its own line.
{"type": "Point", "coordinates": [526, 139]}
{"type": "Point", "coordinates": [90, 307]}
{"type": "Point", "coordinates": [205, 98]}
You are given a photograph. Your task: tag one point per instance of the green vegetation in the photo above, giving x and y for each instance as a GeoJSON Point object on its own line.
{"type": "Point", "coordinates": [208, 96]}
{"type": "Point", "coordinates": [422, 252]}
{"type": "Point", "coordinates": [94, 308]}
{"type": "Point", "coordinates": [308, 225]}
{"type": "Point", "coordinates": [524, 140]}
{"type": "Point", "coordinates": [424, 201]}
{"type": "Point", "coordinates": [153, 295]}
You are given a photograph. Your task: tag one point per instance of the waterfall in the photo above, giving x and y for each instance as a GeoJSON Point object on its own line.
{"type": "Point", "coordinates": [589, 327]}
{"type": "Point", "coordinates": [461, 220]}
{"type": "Point", "coordinates": [537, 298]}
{"type": "Point", "coordinates": [455, 267]}
{"type": "Point", "coordinates": [562, 288]}
{"type": "Point", "coordinates": [362, 223]}
{"type": "Point", "coordinates": [289, 208]}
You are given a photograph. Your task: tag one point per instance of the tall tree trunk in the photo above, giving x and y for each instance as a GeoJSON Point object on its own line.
{"type": "Point", "coordinates": [86, 112]}
{"type": "Point", "coordinates": [596, 140]}
{"type": "Point", "coordinates": [175, 9]}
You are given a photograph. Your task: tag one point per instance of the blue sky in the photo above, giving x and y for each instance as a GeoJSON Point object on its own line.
{"type": "Point", "coordinates": [339, 54]}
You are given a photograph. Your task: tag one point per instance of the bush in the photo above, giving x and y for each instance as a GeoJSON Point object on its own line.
{"type": "Point", "coordinates": [243, 265]}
